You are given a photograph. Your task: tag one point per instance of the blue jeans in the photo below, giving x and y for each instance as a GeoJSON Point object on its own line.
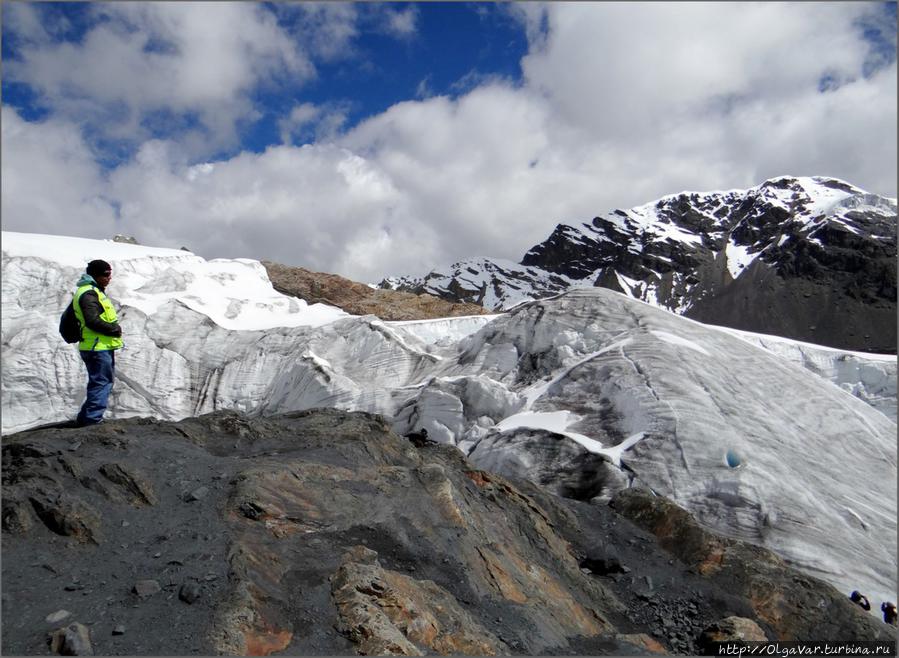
{"type": "Point", "coordinates": [100, 373]}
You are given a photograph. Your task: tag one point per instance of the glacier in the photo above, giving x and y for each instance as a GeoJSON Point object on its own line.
{"type": "Point", "coordinates": [585, 393]}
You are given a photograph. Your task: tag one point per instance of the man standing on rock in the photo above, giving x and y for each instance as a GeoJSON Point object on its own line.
{"type": "Point", "coordinates": [101, 335]}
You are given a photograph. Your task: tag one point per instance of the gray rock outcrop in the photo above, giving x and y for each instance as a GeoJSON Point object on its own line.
{"type": "Point", "coordinates": [324, 532]}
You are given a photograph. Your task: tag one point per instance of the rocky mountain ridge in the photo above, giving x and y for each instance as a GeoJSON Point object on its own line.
{"type": "Point", "coordinates": [361, 299]}
{"type": "Point", "coordinates": [808, 258]}
{"type": "Point", "coordinates": [323, 532]}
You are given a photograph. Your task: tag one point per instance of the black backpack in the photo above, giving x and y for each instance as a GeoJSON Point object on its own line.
{"type": "Point", "coordinates": [69, 327]}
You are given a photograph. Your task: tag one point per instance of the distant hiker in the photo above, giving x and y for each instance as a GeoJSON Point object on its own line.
{"type": "Point", "coordinates": [889, 612]}
{"type": "Point", "coordinates": [860, 599]}
{"type": "Point", "coordinates": [101, 335]}
{"type": "Point", "coordinates": [420, 438]}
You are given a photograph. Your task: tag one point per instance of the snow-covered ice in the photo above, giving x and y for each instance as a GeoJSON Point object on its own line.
{"type": "Point", "coordinates": [233, 293]}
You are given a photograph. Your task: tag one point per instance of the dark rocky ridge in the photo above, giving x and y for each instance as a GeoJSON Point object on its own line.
{"type": "Point", "coordinates": [322, 532]}
{"type": "Point", "coordinates": [826, 278]}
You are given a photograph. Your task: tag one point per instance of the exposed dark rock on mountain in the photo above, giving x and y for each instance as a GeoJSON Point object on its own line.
{"type": "Point", "coordinates": [562, 467]}
{"type": "Point", "coordinates": [779, 596]}
{"type": "Point", "coordinates": [812, 259]}
{"type": "Point", "coordinates": [360, 299]}
{"type": "Point", "coordinates": [323, 532]}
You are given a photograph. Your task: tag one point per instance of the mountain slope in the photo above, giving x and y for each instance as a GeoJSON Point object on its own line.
{"type": "Point", "coordinates": [812, 259]}
{"type": "Point", "coordinates": [361, 299]}
{"type": "Point", "coordinates": [324, 533]}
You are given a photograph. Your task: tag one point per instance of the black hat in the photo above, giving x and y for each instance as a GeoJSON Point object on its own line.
{"type": "Point", "coordinates": [98, 268]}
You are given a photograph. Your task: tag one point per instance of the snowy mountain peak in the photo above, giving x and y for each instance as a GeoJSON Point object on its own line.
{"type": "Point", "coordinates": [811, 258]}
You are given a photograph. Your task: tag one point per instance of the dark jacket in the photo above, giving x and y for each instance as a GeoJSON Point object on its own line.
{"type": "Point", "coordinates": [92, 310]}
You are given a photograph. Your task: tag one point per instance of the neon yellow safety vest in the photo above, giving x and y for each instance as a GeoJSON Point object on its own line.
{"type": "Point", "coordinates": [91, 341]}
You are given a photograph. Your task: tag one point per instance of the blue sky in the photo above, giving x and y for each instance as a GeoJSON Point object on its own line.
{"type": "Point", "coordinates": [372, 139]}
{"type": "Point", "coordinates": [451, 48]}
{"type": "Point", "coordinates": [448, 48]}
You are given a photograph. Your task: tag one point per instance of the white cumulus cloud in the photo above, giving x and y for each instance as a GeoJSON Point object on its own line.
{"type": "Point", "coordinates": [195, 63]}
{"type": "Point", "coordinates": [50, 181]}
{"type": "Point", "coordinates": [321, 207]}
